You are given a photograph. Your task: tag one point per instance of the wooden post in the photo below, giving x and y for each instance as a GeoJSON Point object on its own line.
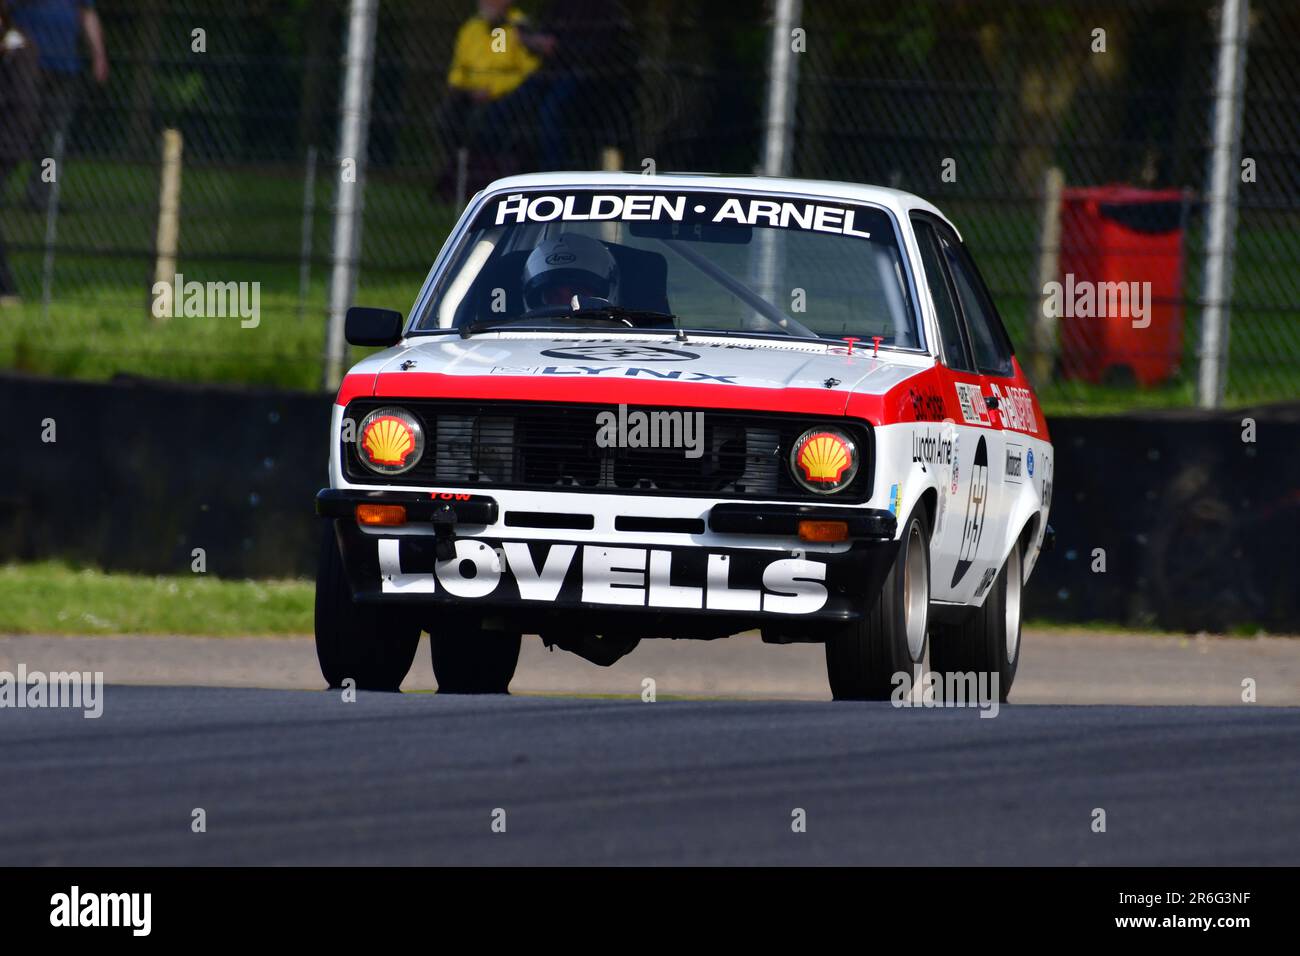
{"type": "Point", "coordinates": [169, 211]}
{"type": "Point", "coordinates": [611, 161]}
{"type": "Point", "coordinates": [1043, 326]}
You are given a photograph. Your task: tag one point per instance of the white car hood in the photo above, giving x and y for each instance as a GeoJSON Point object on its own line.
{"type": "Point", "coordinates": [715, 360]}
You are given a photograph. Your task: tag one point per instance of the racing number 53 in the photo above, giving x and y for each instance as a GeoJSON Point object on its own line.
{"type": "Point", "coordinates": [976, 352]}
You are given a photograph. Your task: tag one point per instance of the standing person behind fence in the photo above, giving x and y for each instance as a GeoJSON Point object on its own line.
{"type": "Point", "coordinates": [57, 27]}
{"type": "Point", "coordinates": [19, 75]}
{"type": "Point", "coordinates": [589, 56]}
{"type": "Point", "coordinates": [488, 91]}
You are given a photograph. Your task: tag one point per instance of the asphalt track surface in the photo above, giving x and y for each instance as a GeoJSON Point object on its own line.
{"type": "Point", "coordinates": [302, 777]}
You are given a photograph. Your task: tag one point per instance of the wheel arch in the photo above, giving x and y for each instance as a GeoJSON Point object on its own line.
{"type": "Point", "coordinates": [1024, 528]}
{"type": "Point", "coordinates": [919, 488]}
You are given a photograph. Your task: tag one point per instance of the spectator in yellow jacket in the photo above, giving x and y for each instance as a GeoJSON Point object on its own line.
{"type": "Point", "coordinates": [488, 65]}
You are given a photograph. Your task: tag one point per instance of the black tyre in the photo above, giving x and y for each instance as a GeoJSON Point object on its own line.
{"type": "Point", "coordinates": [988, 641]}
{"type": "Point", "coordinates": [864, 657]}
{"type": "Point", "coordinates": [372, 644]}
{"type": "Point", "coordinates": [470, 659]}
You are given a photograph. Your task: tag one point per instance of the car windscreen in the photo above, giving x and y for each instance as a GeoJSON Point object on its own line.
{"type": "Point", "coordinates": [718, 262]}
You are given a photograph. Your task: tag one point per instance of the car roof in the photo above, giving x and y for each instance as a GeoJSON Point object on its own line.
{"type": "Point", "coordinates": [899, 202]}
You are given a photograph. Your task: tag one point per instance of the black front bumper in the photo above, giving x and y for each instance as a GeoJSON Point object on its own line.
{"type": "Point", "coordinates": [749, 587]}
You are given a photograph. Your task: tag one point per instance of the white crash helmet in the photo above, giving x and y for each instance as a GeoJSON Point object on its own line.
{"type": "Point", "coordinates": [568, 265]}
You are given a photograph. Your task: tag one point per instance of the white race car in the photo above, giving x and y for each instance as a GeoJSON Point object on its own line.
{"type": "Point", "coordinates": [679, 406]}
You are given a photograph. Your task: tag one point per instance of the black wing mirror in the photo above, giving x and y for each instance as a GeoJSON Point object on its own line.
{"type": "Point", "coordinates": [363, 326]}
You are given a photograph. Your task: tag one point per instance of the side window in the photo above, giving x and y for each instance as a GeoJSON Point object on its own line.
{"type": "Point", "coordinates": [988, 338]}
{"type": "Point", "coordinates": [955, 353]}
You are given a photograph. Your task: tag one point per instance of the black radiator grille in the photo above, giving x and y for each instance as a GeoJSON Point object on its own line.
{"type": "Point", "coordinates": [553, 446]}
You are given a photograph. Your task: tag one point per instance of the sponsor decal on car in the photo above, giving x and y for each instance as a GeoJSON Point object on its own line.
{"type": "Point", "coordinates": [1014, 471]}
{"type": "Point", "coordinates": [1016, 407]}
{"type": "Point", "coordinates": [684, 210]}
{"type": "Point", "coordinates": [956, 463]}
{"type": "Point", "coordinates": [973, 409]}
{"type": "Point", "coordinates": [823, 457]}
{"type": "Point", "coordinates": [599, 574]}
{"type": "Point", "coordinates": [388, 441]}
{"type": "Point", "coordinates": [926, 405]}
{"type": "Point", "coordinates": [976, 505]}
{"type": "Point", "coordinates": [391, 441]}
{"type": "Point", "coordinates": [672, 375]}
{"type": "Point", "coordinates": [932, 448]}
{"type": "Point", "coordinates": [610, 352]}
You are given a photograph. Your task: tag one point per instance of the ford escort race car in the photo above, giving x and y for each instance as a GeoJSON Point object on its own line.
{"type": "Point", "coordinates": [629, 407]}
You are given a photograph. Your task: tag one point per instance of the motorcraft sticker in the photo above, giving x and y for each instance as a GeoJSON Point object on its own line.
{"type": "Point", "coordinates": [1015, 467]}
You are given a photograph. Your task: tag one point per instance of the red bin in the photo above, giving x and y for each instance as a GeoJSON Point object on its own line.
{"type": "Point", "coordinates": [1121, 280]}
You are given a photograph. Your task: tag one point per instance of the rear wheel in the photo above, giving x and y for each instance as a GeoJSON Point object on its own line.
{"type": "Point", "coordinates": [373, 644]}
{"type": "Point", "coordinates": [863, 658]}
{"type": "Point", "coordinates": [987, 643]}
{"type": "Point", "coordinates": [469, 658]}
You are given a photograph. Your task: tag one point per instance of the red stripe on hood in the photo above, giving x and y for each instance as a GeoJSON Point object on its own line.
{"type": "Point", "coordinates": [610, 391]}
{"type": "Point", "coordinates": [353, 386]}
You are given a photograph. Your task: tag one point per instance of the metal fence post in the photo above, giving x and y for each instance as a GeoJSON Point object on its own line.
{"type": "Point", "coordinates": [354, 126]}
{"type": "Point", "coordinates": [1220, 233]}
{"type": "Point", "coordinates": [778, 137]}
{"type": "Point", "coordinates": [51, 230]}
{"type": "Point", "coordinates": [783, 74]}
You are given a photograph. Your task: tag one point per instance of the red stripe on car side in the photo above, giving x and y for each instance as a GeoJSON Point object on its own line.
{"type": "Point", "coordinates": [897, 405]}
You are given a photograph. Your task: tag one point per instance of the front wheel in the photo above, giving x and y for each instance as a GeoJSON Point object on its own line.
{"type": "Point", "coordinates": [468, 658]}
{"type": "Point", "coordinates": [987, 644]}
{"type": "Point", "coordinates": [371, 644]}
{"type": "Point", "coordinates": [863, 659]}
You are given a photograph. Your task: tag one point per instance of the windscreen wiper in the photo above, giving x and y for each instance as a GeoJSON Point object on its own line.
{"type": "Point", "coordinates": [582, 309]}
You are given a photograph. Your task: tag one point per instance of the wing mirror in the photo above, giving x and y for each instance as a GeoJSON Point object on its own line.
{"type": "Point", "coordinates": [365, 326]}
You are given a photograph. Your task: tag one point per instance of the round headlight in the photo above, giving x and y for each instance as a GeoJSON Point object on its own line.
{"type": "Point", "coordinates": [824, 460]}
{"type": "Point", "coordinates": [390, 441]}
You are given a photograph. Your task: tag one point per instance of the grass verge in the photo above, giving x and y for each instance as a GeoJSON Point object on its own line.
{"type": "Point", "coordinates": [51, 597]}
{"type": "Point", "coordinates": [54, 598]}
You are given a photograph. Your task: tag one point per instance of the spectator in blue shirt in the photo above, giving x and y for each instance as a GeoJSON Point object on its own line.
{"type": "Point", "coordinates": [57, 27]}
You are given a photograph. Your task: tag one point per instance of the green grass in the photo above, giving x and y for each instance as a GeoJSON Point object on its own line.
{"type": "Point", "coordinates": [53, 598]}
{"type": "Point", "coordinates": [236, 226]}
{"type": "Point", "coordinates": [1114, 627]}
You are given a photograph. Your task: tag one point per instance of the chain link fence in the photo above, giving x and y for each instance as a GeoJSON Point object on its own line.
{"type": "Point", "coordinates": [1010, 116]}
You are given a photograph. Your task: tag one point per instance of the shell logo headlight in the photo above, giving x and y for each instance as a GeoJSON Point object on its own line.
{"type": "Point", "coordinates": [390, 441]}
{"type": "Point", "coordinates": [824, 460]}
